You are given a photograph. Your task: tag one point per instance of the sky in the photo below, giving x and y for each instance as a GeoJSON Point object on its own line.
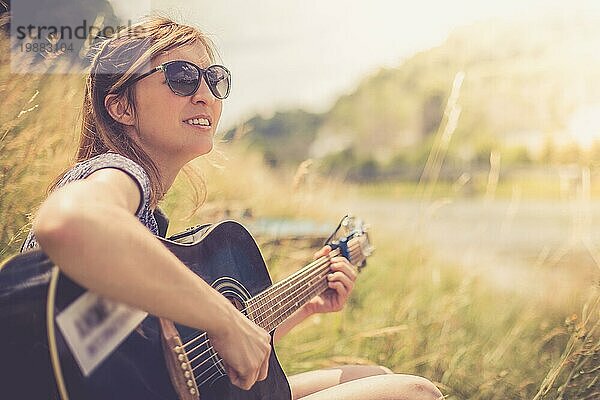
{"type": "Point", "coordinates": [305, 54]}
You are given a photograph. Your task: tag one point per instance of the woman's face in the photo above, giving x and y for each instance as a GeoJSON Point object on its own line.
{"type": "Point", "coordinates": [162, 116]}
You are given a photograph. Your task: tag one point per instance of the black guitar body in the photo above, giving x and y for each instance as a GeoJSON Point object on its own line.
{"type": "Point", "coordinates": [226, 256]}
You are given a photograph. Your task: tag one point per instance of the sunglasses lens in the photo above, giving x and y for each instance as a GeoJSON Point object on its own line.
{"type": "Point", "coordinates": [219, 80]}
{"type": "Point", "coordinates": [183, 78]}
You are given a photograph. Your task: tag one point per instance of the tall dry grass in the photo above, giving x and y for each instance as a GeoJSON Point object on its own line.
{"type": "Point", "coordinates": [577, 374]}
{"type": "Point", "coordinates": [415, 315]}
{"type": "Point", "coordinates": [240, 186]}
{"type": "Point", "coordinates": [410, 311]}
{"type": "Point", "coordinates": [39, 112]}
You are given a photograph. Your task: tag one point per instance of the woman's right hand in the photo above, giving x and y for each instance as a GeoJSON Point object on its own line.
{"type": "Point", "coordinates": [245, 348]}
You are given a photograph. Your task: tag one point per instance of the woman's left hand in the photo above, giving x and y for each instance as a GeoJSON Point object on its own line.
{"type": "Point", "coordinates": [341, 282]}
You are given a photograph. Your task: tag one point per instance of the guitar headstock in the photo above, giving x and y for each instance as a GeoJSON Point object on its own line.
{"type": "Point", "coordinates": [352, 238]}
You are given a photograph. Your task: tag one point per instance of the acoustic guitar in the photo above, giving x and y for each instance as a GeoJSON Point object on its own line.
{"type": "Point", "coordinates": [60, 341]}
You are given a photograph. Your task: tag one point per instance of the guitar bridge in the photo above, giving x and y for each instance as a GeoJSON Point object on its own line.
{"type": "Point", "coordinates": [178, 364]}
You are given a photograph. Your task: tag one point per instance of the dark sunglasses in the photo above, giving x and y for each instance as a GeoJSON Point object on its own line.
{"type": "Point", "coordinates": [184, 78]}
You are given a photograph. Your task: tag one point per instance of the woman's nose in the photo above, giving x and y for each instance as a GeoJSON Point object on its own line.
{"type": "Point", "coordinates": [203, 94]}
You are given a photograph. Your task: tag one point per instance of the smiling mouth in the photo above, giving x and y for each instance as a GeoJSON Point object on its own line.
{"type": "Point", "coordinates": [201, 122]}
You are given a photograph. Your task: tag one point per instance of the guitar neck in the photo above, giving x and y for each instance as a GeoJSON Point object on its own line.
{"type": "Point", "coordinates": [272, 306]}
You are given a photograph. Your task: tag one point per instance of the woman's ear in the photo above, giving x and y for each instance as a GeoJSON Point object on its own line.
{"type": "Point", "coordinates": [119, 109]}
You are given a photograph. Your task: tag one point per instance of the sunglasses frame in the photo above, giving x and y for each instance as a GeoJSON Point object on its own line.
{"type": "Point", "coordinates": [201, 74]}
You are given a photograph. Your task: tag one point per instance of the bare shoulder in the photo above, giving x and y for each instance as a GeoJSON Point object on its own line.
{"type": "Point", "coordinates": [101, 191]}
{"type": "Point", "coordinates": [117, 186]}
{"type": "Point", "coordinates": [106, 186]}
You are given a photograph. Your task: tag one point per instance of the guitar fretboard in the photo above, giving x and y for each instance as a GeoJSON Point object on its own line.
{"type": "Point", "coordinates": [271, 307]}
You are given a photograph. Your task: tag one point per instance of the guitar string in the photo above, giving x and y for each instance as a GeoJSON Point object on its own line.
{"type": "Point", "coordinates": [191, 341]}
{"type": "Point", "coordinates": [198, 355]}
{"type": "Point", "coordinates": [321, 287]}
{"type": "Point", "coordinates": [219, 360]}
{"type": "Point", "coordinates": [208, 349]}
{"type": "Point", "coordinates": [292, 298]}
{"type": "Point", "coordinates": [306, 296]}
{"type": "Point", "coordinates": [199, 345]}
{"type": "Point", "coordinates": [318, 288]}
{"type": "Point", "coordinates": [354, 248]}
{"type": "Point", "coordinates": [287, 281]}
{"type": "Point", "coordinates": [311, 293]}
{"type": "Point", "coordinates": [308, 274]}
{"type": "Point", "coordinates": [206, 341]}
{"type": "Point", "coordinates": [293, 279]}
{"type": "Point", "coordinates": [208, 369]}
{"type": "Point", "coordinates": [279, 283]}
{"type": "Point", "coordinates": [215, 364]}
{"type": "Point", "coordinates": [208, 379]}
{"type": "Point", "coordinates": [302, 273]}
{"type": "Point", "coordinates": [264, 307]}
{"type": "Point", "coordinates": [305, 272]}
{"type": "Point", "coordinates": [291, 305]}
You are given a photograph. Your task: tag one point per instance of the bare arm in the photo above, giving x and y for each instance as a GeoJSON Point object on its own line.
{"type": "Point", "coordinates": [290, 322]}
{"type": "Point", "coordinates": [88, 229]}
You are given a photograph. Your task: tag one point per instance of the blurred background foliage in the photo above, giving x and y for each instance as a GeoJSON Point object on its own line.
{"type": "Point", "coordinates": [525, 85]}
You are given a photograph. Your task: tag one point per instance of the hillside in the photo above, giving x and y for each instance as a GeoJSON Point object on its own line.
{"type": "Point", "coordinates": [524, 80]}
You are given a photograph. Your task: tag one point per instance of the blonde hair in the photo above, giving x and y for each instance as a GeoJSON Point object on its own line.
{"type": "Point", "coordinates": [115, 63]}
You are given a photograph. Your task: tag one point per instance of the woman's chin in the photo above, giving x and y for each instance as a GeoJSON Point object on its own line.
{"type": "Point", "coordinates": [204, 146]}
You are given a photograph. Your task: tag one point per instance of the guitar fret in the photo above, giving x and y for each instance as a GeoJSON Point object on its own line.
{"type": "Point", "coordinates": [290, 310]}
{"type": "Point", "coordinates": [272, 306]}
{"type": "Point", "coordinates": [296, 302]}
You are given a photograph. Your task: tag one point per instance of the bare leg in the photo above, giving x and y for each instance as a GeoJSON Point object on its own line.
{"type": "Point", "coordinates": [353, 382]}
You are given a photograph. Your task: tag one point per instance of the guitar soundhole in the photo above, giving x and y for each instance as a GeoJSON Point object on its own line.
{"type": "Point", "coordinates": [236, 303]}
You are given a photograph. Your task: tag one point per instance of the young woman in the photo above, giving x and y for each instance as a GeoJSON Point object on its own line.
{"type": "Point", "coordinates": [152, 103]}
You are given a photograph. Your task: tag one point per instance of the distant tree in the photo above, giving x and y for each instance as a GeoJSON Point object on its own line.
{"type": "Point", "coordinates": [284, 138]}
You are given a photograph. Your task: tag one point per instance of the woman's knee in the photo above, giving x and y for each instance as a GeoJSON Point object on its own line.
{"type": "Point", "coordinates": [415, 388]}
{"type": "Point", "coordinates": [409, 386]}
{"type": "Point", "coordinates": [379, 387]}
